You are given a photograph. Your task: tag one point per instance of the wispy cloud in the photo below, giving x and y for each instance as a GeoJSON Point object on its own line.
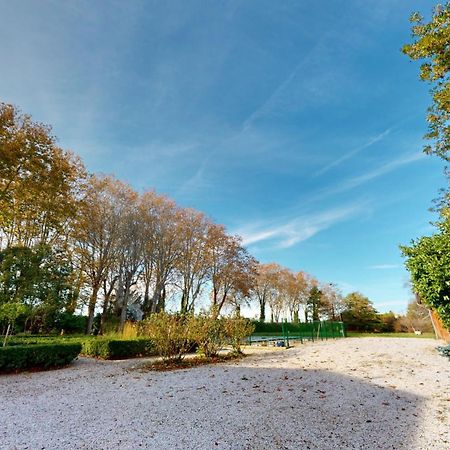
{"type": "Point", "coordinates": [354, 152]}
{"type": "Point", "coordinates": [298, 229]}
{"type": "Point", "coordinates": [386, 168]}
{"type": "Point", "coordinates": [384, 266]}
{"type": "Point", "coordinates": [358, 180]}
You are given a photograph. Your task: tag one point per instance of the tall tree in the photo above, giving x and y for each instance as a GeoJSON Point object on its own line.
{"type": "Point", "coordinates": [98, 232]}
{"type": "Point", "coordinates": [428, 262]}
{"type": "Point", "coordinates": [265, 286]}
{"type": "Point", "coordinates": [130, 250]}
{"type": "Point", "coordinates": [314, 302]}
{"type": "Point", "coordinates": [232, 267]}
{"type": "Point", "coordinates": [39, 182]}
{"type": "Point", "coordinates": [166, 250]}
{"type": "Point", "coordinates": [430, 45]}
{"type": "Point", "coordinates": [193, 265]}
{"type": "Point", "coordinates": [359, 312]}
{"type": "Point", "coordinates": [332, 301]}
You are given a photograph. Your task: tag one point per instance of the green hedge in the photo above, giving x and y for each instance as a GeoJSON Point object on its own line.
{"type": "Point", "coordinates": [267, 327]}
{"type": "Point", "coordinates": [98, 347]}
{"type": "Point", "coordinates": [106, 348]}
{"type": "Point", "coordinates": [34, 340]}
{"type": "Point", "coordinates": [21, 357]}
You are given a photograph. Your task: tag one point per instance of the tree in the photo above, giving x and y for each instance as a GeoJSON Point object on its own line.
{"type": "Point", "coordinates": [428, 262]}
{"type": "Point", "coordinates": [97, 233]}
{"type": "Point", "coordinates": [314, 303]}
{"type": "Point", "coordinates": [430, 45]}
{"type": "Point", "coordinates": [267, 287]}
{"type": "Point", "coordinates": [9, 312]}
{"type": "Point", "coordinates": [418, 317]}
{"type": "Point", "coordinates": [232, 267]}
{"type": "Point", "coordinates": [40, 279]}
{"type": "Point", "coordinates": [193, 265]}
{"type": "Point", "coordinates": [359, 313]}
{"type": "Point", "coordinates": [39, 182]}
{"type": "Point", "coordinates": [165, 250]}
{"type": "Point", "coordinates": [130, 250]}
{"type": "Point", "coordinates": [299, 296]}
{"type": "Point", "coordinates": [332, 304]}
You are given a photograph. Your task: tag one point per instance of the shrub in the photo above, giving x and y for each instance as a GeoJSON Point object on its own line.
{"type": "Point", "coordinates": [169, 333]}
{"type": "Point", "coordinates": [106, 348]}
{"type": "Point", "coordinates": [237, 329]}
{"type": "Point", "coordinates": [71, 323]}
{"type": "Point", "coordinates": [267, 327]}
{"type": "Point", "coordinates": [208, 332]}
{"type": "Point", "coordinates": [43, 356]}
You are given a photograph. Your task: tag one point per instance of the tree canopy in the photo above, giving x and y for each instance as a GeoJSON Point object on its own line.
{"type": "Point", "coordinates": [431, 40]}
{"type": "Point", "coordinates": [428, 262]}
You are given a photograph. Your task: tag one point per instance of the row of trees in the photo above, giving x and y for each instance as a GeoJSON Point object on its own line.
{"type": "Point", "coordinates": [71, 240]}
{"type": "Point", "coordinates": [68, 237]}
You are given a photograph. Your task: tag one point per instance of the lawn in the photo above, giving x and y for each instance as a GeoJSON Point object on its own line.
{"type": "Point", "coordinates": [357, 334]}
{"type": "Point", "coordinates": [396, 335]}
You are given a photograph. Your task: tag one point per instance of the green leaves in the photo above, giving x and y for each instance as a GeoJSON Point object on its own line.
{"type": "Point", "coordinates": [430, 45]}
{"type": "Point", "coordinates": [428, 262]}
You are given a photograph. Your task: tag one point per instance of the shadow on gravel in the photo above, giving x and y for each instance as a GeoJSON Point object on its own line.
{"type": "Point", "coordinates": [213, 407]}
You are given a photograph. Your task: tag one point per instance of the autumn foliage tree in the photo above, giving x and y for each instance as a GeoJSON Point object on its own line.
{"type": "Point", "coordinates": [39, 182]}
{"type": "Point", "coordinates": [72, 241]}
{"type": "Point", "coordinates": [430, 45]}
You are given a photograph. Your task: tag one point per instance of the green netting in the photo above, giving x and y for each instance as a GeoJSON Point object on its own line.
{"type": "Point", "coordinates": [289, 331]}
{"type": "Point", "coordinates": [313, 330]}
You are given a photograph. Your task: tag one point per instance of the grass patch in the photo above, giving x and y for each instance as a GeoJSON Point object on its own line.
{"type": "Point", "coordinates": [188, 363]}
{"type": "Point", "coordinates": [395, 335]}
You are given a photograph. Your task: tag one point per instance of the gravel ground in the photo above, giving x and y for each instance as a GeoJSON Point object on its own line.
{"type": "Point", "coordinates": [369, 393]}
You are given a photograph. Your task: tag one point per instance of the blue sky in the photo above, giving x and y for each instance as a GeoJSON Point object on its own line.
{"type": "Point", "coordinates": [297, 124]}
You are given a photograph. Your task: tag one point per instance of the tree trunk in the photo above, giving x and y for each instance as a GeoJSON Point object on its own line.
{"type": "Point", "coordinates": [104, 314]}
{"type": "Point", "coordinates": [91, 308]}
{"type": "Point", "coordinates": [262, 310]}
{"type": "Point", "coordinates": [123, 313]}
{"type": "Point", "coordinates": [296, 316]}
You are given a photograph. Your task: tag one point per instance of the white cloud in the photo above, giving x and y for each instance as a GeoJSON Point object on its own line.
{"type": "Point", "coordinates": [384, 266]}
{"type": "Point", "coordinates": [354, 152]}
{"type": "Point", "coordinates": [300, 228]}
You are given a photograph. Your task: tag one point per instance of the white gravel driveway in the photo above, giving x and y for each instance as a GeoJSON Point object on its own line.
{"type": "Point", "coordinates": [369, 393]}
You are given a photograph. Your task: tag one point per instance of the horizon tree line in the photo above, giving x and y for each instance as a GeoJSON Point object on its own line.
{"type": "Point", "coordinates": [70, 239]}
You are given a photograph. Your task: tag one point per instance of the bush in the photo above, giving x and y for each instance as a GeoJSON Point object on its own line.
{"type": "Point", "coordinates": [267, 327]}
{"type": "Point", "coordinates": [208, 332]}
{"type": "Point", "coordinates": [71, 323]}
{"type": "Point", "coordinates": [43, 356]}
{"type": "Point", "coordinates": [237, 329]}
{"type": "Point", "coordinates": [169, 333]}
{"type": "Point", "coordinates": [106, 348]}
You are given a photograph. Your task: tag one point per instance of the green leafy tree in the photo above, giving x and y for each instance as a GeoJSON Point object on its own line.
{"type": "Point", "coordinates": [314, 303]}
{"type": "Point", "coordinates": [359, 313]}
{"type": "Point", "coordinates": [9, 312]}
{"type": "Point", "coordinates": [428, 262]}
{"type": "Point", "coordinates": [388, 322]}
{"type": "Point", "coordinates": [40, 279]}
{"type": "Point", "coordinates": [430, 45]}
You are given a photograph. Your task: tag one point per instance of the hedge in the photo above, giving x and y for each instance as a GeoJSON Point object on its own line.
{"type": "Point", "coordinates": [98, 347]}
{"type": "Point", "coordinates": [43, 356]}
{"type": "Point", "coordinates": [106, 348]}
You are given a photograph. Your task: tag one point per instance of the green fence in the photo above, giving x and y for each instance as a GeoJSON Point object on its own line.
{"type": "Point", "coordinates": [313, 330]}
{"type": "Point", "coordinates": [289, 331]}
